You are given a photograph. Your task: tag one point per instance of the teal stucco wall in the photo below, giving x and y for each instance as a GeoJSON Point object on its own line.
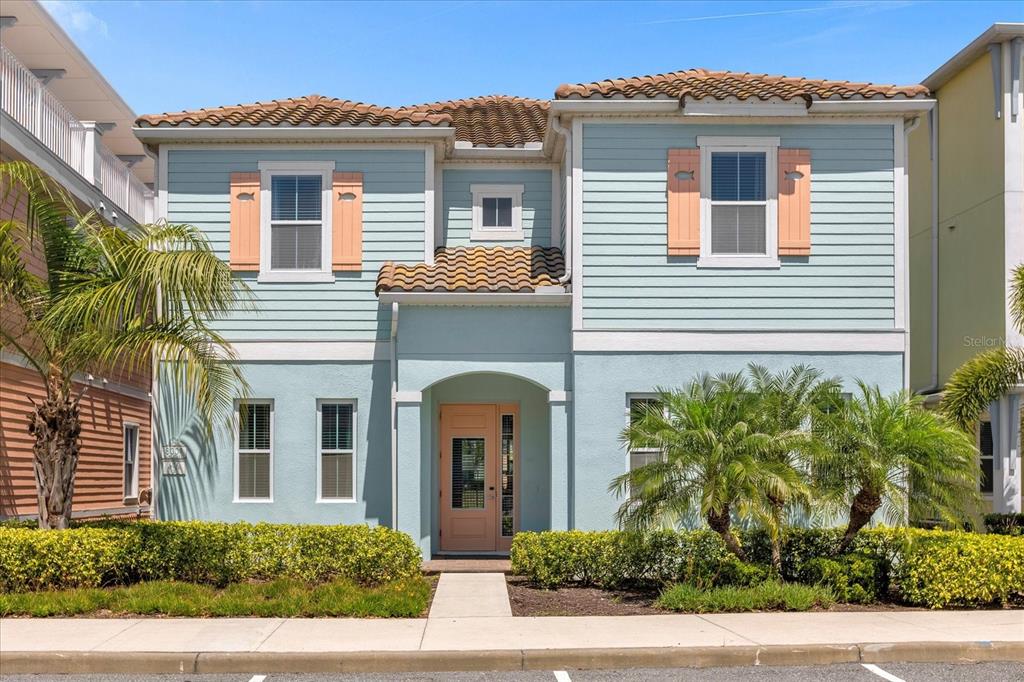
{"type": "Point", "coordinates": [629, 281]}
{"type": "Point", "coordinates": [602, 382]}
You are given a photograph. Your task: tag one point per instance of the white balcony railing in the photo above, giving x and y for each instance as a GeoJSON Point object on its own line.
{"type": "Point", "coordinates": [25, 99]}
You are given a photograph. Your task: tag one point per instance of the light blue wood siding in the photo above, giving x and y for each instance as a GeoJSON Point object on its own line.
{"type": "Point", "coordinates": [630, 283]}
{"type": "Point", "coordinates": [458, 204]}
{"type": "Point", "coordinates": [347, 309]}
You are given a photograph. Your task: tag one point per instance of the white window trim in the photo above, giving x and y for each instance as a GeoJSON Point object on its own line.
{"type": "Point", "coordinates": [325, 169]}
{"type": "Point", "coordinates": [513, 192]}
{"type": "Point", "coordinates": [235, 425]}
{"type": "Point", "coordinates": [769, 146]}
{"type": "Point", "coordinates": [134, 493]}
{"type": "Point", "coordinates": [630, 397]}
{"type": "Point", "coordinates": [319, 450]}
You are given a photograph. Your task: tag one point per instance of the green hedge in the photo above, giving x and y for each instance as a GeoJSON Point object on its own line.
{"type": "Point", "coordinates": [1005, 524]}
{"type": "Point", "coordinates": [119, 553]}
{"type": "Point", "coordinates": [928, 568]}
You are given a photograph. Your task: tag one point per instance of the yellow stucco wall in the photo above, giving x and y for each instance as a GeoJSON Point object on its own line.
{"type": "Point", "coordinates": [971, 240]}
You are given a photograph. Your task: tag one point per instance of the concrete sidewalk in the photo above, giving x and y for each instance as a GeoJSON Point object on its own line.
{"type": "Point", "coordinates": [260, 645]}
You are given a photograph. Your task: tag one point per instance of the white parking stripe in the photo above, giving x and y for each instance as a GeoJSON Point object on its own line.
{"type": "Point", "coordinates": [562, 676]}
{"type": "Point", "coordinates": [871, 667]}
{"type": "Point", "coordinates": [257, 678]}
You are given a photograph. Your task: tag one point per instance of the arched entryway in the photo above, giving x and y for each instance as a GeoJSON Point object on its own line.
{"type": "Point", "coordinates": [490, 449]}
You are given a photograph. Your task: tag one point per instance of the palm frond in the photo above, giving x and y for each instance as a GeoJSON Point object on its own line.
{"type": "Point", "coordinates": [979, 382]}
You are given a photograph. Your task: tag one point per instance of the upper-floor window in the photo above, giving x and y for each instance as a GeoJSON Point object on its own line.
{"type": "Point", "coordinates": [295, 234]}
{"type": "Point", "coordinates": [738, 202]}
{"type": "Point", "coordinates": [497, 212]}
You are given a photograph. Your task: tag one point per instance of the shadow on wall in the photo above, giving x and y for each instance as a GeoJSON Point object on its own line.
{"type": "Point", "coordinates": [377, 476]}
{"type": "Point", "coordinates": [180, 432]}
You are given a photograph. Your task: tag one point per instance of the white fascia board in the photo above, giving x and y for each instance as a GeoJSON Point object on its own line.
{"type": "Point", "coordinates": [204, 134]}
{"type": "Point", "coordinates": [666, 341]}
{"type": "Point", "coordinates": [615, 106]}
{"type": "Point", "coordinates": [556, 298]}
{"type": "Point", "coordinates": [736, 107]}
{"type": "Point", "coordinates": [285, 351]}
{"type": "Point", "coordinates": [993, 34]}
{"type": "Point", "coordinates": [498, 153]}
{"type": "Point", "coordinates": [872, 106]}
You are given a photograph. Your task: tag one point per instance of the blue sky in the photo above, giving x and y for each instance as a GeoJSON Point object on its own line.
{"type": "Point", "coordinates": [167, 56]}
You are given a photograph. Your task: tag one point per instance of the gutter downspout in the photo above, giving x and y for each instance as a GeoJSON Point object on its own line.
{"type": "Point", "coordinates": [566, 135]}
{"type": "Point", "coordinates": [933, 146]}
{"type": "Point", "coordinates": [394, 415]}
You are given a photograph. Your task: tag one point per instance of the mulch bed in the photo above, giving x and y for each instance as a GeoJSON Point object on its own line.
{"type": "Point", "coordinates": [530, 600]}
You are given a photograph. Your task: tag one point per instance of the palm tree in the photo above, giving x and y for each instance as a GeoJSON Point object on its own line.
{"type": "Point", "coordinates": [110, 297]}
{"type": "Point", "coordinates": [711, 460]}
{"type": "Point", "coordinates": [789, 402]}
{"type": "Point", "coordinates": [890, 453]}
{"type": "Point", "coordinates": [987, 377]}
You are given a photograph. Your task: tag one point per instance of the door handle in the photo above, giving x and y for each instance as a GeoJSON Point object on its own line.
{"type": "Point", "coordinates": [491, 488]}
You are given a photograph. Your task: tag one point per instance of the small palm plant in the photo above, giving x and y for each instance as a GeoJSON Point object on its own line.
{"type": "Point", "coordinates": [711, 462]}
{"type": "Point", "coordinates": [889, 453]}
{"type": "Point", "coordinates": [987, 377]}
{"type": "Point", "coordinates": [109, 297]}
{"type": "Point", "coordinates": [789, 402]}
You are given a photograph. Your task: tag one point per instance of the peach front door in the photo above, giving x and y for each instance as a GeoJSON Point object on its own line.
{"type": "Point", "coordinates": [472, 516]}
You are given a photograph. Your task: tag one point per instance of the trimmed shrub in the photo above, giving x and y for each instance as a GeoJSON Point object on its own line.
{"type": "Point", "coordinates": [950, 568]}
{"type": "Point", "coordinates": [613, 558]}
{"type": "Point", "coordinates": [118, 553]}
{"type": "Point", "coordinates": [742, 574]}
{"type": "Point", "coordinates": [1005, 524]}
{"type": "Point", "coordinates": [853, 578]}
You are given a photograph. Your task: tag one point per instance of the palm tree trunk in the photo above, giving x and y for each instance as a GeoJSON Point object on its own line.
{"type": "Point", "coordinates": [56, 426]}
{"type": "Point", "coordinates": [720, 523]}
{"type": "Point", "coordinates": [776, 534]}
{"type": "Point", "coordinates": [865, 504]}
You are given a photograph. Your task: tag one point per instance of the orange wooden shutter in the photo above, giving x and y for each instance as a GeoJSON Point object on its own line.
{"type": "Point", "coordinates": [245, 221]}
{"type": "Point", "coordinates": [347, 221]}
{"type": "Point", "coordinates": [684, 202]}
{"type": "Point", "coordinates": [794, 202]}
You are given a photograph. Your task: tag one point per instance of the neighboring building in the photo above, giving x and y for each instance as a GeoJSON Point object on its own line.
{"type": "Point", "coordinates": [457, 303]}
{"type": "Point", "coordinates": [58, 112]}
{"type": "Point", "coordinates": [967, 235]}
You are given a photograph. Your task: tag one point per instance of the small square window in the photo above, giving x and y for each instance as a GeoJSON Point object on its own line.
{"type": "Point", "coordinates": [497, 212]}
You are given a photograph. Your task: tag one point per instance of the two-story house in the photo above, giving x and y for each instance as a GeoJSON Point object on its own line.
{"type": "Point", "coordinates": [58, 112]}
{"type": "Point", "coordinates": [455, 304]}
{"type": "Point", "coordinates": [967, 236]}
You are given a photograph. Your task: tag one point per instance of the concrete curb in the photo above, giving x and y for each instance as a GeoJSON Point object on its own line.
{"type": "Point", "coordinates": [51, 663]}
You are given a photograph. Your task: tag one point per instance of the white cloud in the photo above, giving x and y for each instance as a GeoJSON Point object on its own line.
{"type": "Point", "coordinates": [75, 18]}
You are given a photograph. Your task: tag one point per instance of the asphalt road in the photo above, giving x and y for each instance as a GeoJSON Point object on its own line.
{"type": "Point", "coordinates": [891, 672]}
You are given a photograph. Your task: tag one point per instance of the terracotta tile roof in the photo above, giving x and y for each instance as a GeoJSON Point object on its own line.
{"type": "Point", "coordinates": [701, 83]}
{"type": "Point", "coordinates": [312, 110]}
{"type": "Point", "coordinates": [494, 269]}
{"type": "Point", "coordinates": [493, 120]}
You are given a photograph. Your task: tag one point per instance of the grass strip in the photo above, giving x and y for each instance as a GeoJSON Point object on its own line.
{"type": "Point", "coordinates": [284, 597]}
{"type": "Point", "coordinates": [768, 596]}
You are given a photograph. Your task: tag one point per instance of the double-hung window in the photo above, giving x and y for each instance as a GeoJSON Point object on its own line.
{"type": "Point", "coordinates": [131, 461]}
{"type": "Point", "coordinates": [986, 452]}
{"type": "Point", "coordinates": [295, 234]}
{"type": "Point", "coordinates": [254, 445]}
{"type": "Point", "coordinates": [739, 196]}
{"type": "Point", "coordinates": [497, 212]}
{"type": "Point", "coordinates": [336, 452]}
{"type": "Point", "coordinates": [642, 454]}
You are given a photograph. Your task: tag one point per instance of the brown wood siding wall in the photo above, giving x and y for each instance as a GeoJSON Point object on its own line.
{"type": "Point", "coordinates": [99, 483]}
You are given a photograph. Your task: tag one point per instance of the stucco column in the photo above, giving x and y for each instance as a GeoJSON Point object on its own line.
{"type": "Point", "coordinates": [1006, 475]}
{"type": "Point", "coordinates": [410, 470]}
{"type": "Point", "coordinates": [561, 485]}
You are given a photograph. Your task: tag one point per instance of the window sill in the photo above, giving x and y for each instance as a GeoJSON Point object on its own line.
{"type": "Point", "coordinates": [339, 500]}
{"type": "Point", "coordinates": [130, 501]}
{"type": "Point", "coordinates": [297, 276]}
{"type": "Point", "coordinates": [763, 262]}
{"type": "Point", "coordinates": [496, 235]}
{"type": "Point", "coordinates": [245, 500]}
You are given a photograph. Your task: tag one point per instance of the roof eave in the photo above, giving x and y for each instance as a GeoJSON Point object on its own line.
{"type": "Point", "coordinates": [909, 107]}
{"type": "Point", "coordinates": [615, 106]}
{"type": "Point", "coordinates": [161, 134]}
{"type": "Point", "coordinates": [545, 296]}
{"type": "Point", "coordinates": [996, 33]}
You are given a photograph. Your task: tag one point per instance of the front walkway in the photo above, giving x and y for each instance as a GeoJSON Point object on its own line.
{"type": "Point", "coordinates": [260, 645]}
{"type": "Point", "coordinates": [471, 595]}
